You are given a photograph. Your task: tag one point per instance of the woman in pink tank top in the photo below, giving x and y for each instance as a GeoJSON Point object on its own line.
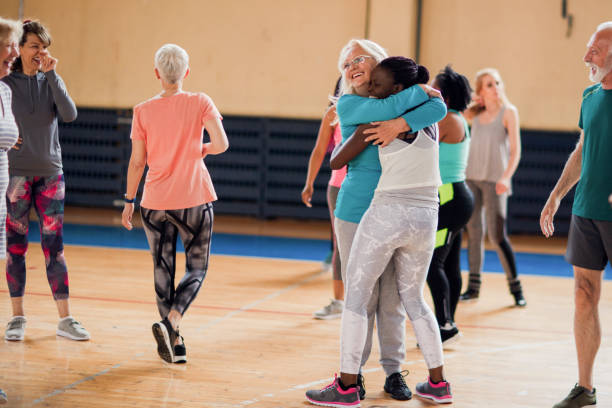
{"type": "Point", "coordinates": [328, 132]}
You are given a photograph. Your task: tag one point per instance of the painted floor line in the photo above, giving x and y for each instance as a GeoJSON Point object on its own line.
{"type": "Point", "coordinates": [314, 384]}
{"type": "Point", "coordinates": [229, 315]}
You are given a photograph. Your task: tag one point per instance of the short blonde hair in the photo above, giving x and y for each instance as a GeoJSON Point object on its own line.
{"type": "Point", "coordinates": [369, 47]}
{"type": "Point", "coordinates": [10, 30]}
{"type": "Point", "coordinates": [172, 62]}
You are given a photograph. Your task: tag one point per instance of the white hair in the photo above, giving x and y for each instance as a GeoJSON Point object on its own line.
{"type": "Point", "coordinates": [172, 62]}
{"type": "Point", "coordinates": [10, 30]}
{"type": "Point", "coordinates": [369, 47]}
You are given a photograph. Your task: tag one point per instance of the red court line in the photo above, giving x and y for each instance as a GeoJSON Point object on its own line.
{"type": "Point", "coordinates": [145, 302]}
{"type": "Point", "coordinates": [279, 312]}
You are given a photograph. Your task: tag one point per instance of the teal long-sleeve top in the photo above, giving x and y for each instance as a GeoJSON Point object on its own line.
{"type": "Point", "coordinates": [364, 170]}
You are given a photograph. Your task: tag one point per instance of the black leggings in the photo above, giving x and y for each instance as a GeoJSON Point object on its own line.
{"type": "Point", "coordinates": [444, 276]}
{"type": "Point", "coordinates": [162, 227]}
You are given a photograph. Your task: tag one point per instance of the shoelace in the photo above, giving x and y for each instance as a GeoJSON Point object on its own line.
{"type": "Point", "coordinates": [14, 324]}
{"type": "Point", "coordinates": [401, 376]}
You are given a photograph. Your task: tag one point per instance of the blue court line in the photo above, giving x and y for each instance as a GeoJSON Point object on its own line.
{"type": "Point", "coordinates": [288, 248]}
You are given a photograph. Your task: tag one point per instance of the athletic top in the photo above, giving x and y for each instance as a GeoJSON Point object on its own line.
{"type": "Point", "coordinates": [364, 170]}
{"type": "Point", "coordinates": [37, 102]}
{"type": "Point", "coordinates": [489, 150]}
{"type": "Point", "coordinates": [454, 156]}
{"type": "Point", "coordinates": [171, 128]}
{"type": "Point", "coordinates": [595, 185]}
{"type": "Point", "coordinates": [337, 176]}
{"type": "Point", "coordinates": [8, 127]}
{"type": "Point", "coordinates": [411, 165]}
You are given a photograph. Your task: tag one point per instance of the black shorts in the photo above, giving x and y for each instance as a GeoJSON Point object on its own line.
{"type": "Point", "coordinates": [590, 243]}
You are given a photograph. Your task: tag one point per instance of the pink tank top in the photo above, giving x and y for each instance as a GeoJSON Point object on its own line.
{"type": "Point", "coordinates": [337, 176]}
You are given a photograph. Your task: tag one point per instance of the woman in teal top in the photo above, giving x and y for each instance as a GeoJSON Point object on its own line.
{"type": "Point", "coordinates": [456, 202]}
{"type": "Point", "coordinates": [357, 59]}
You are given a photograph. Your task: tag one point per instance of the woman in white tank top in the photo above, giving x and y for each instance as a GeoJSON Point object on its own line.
{"type": "Point", "coordinates": [399, 225]}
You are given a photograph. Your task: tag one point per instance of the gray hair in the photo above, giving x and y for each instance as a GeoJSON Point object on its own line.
{"type": "Point", "coordinates": [606, 25]}
{"type": "Point", "coordinates": [172, 62]}
{"type": "Point", "coordinates": [10, 30]}
{"type": "Point", "coordinates": [370, 47]}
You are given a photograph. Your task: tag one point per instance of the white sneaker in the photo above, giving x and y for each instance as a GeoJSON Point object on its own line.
{"type": "Point", "coordinates": [70, 328]}
{"type": "Point", "coordinates": [15, 329]}
{"type": "Point", "coordinates": [331, 311]}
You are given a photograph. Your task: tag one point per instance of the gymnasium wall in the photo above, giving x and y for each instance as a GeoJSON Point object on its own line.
{"type": "Point", "coordinates": [277, 58]}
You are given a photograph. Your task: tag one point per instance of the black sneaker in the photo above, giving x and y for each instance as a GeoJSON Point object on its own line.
{"type": "Point", "coordinates": [361, 384]}
{"type": "Point", "coordinates": [469, 295]}
{"type": "Point", "coordinates": [396, 386]}
{"type": "Point", "coordinates": [180, 352]}
{"type": "Point", "coordinates": [165, 336]}
{"type": "Point", "coordinates": [519, 299]}
{"type": "Point", "coordinates": [449, 334]}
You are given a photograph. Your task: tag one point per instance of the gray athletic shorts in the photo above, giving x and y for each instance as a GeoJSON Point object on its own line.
{"type": "Point", "coordinates": [590, 243]}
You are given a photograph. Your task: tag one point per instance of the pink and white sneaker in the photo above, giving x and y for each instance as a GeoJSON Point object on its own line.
{"type": "Point", "coordinates": [439, 393]}
{"type": "Point", "coordinates": [333, 395]}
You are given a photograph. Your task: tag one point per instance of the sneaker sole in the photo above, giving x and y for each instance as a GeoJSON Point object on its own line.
{"type": "Point", "coordinates": [468, 300]}
{"type": "Point", "coordinates": [70, 336]}
{"type": "Point", "coordinates": [400, 397]}
{"type": "Point", "coordinates": [327, 317]}
{"type": "Point", "coordinates": [13, 338]}
{"type": "Point", "coordinates": [179, 359]}
{"type": "Point", "coordinates": [452, 340]}
{"type": "Point", "coordinates": [332, 404]}
{"type": "Point", "coordinates": [160, 333]}
{"type": "Point", "coordinates": [435, 399]}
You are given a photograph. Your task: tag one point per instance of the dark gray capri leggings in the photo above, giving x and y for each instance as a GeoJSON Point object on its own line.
{"type": "Point", "coordinates": [162, 227]}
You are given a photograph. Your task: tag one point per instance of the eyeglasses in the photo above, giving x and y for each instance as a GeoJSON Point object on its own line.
{"type": "Point", "coordinates": [358, 60]}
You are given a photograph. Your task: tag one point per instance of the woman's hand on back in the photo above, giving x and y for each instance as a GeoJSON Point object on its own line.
{"type": "Point", "coordinates": [383, 133]}
{"type": "Point", "coordinates": [431, 92]}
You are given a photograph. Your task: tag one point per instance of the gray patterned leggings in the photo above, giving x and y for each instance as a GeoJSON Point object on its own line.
{"type": "Point", "coordinates": [406, 235]}
{"type": "Point", "coordinates": [162, 227]}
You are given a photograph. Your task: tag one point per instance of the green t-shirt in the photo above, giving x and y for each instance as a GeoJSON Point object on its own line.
{"type": "Point", "coordinates": [595, 185]}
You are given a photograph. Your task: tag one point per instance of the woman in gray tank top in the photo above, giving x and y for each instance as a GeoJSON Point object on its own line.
{"type": "Point", "coordinates": [495, 152]}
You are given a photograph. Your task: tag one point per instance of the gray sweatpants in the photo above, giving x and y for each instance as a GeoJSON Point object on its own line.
{"type": "Point", "coordinates": [390, 236]}
{"type": "Point", "coordinates": [384, 303]}
{"type": "Point", "coordinates": [494, 208]}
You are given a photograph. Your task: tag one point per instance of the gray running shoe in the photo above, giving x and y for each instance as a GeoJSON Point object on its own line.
{"type": "Point", "coordinates": [577, 398]}
{"type": "Point", "coordinates": [333, 395]}
{"type": "Point", "coordinates": [439, 393]}
{"type": "Point", "coordinates": [3, 397]}
{"type": "Point", "coordinates": [331, 311]}
{"type": "Point", "coordinates": [15, 329]}
{"type": "Point", "coordinates": [72, 329]}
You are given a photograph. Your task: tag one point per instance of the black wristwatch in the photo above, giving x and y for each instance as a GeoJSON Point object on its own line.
{"type": "Point", "coordinates": [128, 200]}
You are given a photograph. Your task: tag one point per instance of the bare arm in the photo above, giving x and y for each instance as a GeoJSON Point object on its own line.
{"type": "Point", "coordinates": [348, 150]}
{"type": "Point", "coordinates": [569, 177]}
{"type": "Point", "coordinates": [218, 139]}
{"type": "Point", "coordinates": [318, 154]}
{"type": "Point", "coordinates": [451, 129]}
{"type": "Point", "coordinates": [511, 122]}
{"type": "Point", "coordinates": [138, 161]}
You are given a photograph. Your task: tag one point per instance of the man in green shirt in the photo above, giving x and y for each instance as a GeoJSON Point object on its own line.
{"type": "Point", "coordinates": [589, 246]}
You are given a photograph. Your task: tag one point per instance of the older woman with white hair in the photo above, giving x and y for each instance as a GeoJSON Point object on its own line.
{"type": "Point", "coordinates": [178, 191]}
{"type": "Point", "coordinates": [10, 32]}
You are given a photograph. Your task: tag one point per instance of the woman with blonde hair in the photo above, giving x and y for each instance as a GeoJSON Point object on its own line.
{"type": "Point", "coordinates": [178, 191]}
{"type": "Point", "coordinates": [10, 32]}
{"type": "Point", "coordinates": [494, 155]}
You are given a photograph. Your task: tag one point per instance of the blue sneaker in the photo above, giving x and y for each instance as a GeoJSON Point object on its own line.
{"type": "Point", "coordinates": [333, 395]}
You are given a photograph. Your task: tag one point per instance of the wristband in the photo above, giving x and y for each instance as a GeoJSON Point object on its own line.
{"type": "Point", "coordinates": [128, 200]}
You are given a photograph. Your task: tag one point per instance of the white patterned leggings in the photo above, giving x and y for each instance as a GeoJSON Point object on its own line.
{"type": "Point", "coordinates": [405, 235]}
